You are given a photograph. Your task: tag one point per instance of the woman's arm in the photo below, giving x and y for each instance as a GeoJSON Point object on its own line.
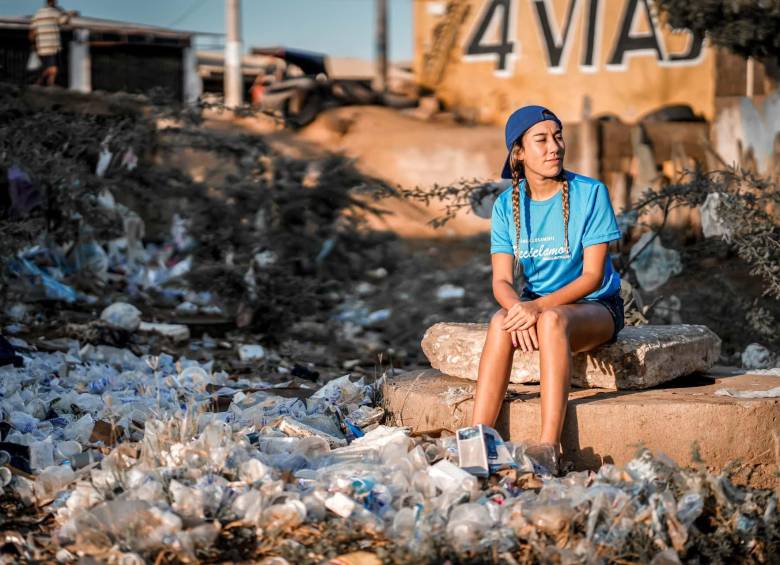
{"type": "Point", "coordinates": [506, 296]}
{"type": "Point", "coordinates": [594, 258]}
{"type": "Point", "coordinates": [525, 316]}
{"type": "Point", "coordinates": [503, 279]}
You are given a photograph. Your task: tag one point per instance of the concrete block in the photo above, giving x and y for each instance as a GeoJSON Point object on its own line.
{"type": "Point", "coordinates": [608, 426]}
{"type": "Point", "coordinates": [642, 357]}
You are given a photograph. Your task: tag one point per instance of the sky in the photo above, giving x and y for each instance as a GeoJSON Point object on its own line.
{"type": "Point", "coordinates": [341, 28]}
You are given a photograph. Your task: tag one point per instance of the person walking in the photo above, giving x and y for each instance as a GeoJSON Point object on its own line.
{"type": "Point", "coordinates": [553, 225]}
{"type": "Point", "coordinates": [45, 32]}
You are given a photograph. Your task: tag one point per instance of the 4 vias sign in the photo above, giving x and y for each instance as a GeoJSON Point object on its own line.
{"type": "Point", "coordinates": [493, 36]}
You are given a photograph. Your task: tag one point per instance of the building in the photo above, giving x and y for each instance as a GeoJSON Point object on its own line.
{"type": "Point", "coordinates": [641, 101]}
{"type": "Point", "coordinates": [486, 57]}
{"type": "Point", "coordinates": [108, 55]}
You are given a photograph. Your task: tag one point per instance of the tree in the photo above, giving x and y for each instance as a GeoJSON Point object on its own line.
{"type": "Point", "coordinates": [750, 28]}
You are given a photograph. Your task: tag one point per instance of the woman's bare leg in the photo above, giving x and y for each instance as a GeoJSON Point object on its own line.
{"type": "Point", "coordinates": [494, 366]}
{"type": "Point", "coordinates": [564, 330]}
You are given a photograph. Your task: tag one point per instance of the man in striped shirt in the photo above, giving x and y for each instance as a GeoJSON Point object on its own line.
{"type": "Point", "coordinates": [45, 31]}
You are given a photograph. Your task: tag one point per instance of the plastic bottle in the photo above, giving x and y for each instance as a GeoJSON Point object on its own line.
{"type": "Point", "coordinates": [41, 454]}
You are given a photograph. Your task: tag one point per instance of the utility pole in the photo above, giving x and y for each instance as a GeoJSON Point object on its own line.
{"type": "Point", "coordinates": [233, 80]}
{"type": "Point", "coordinates": [750, 77]}
{"type": "Point", "coordinates": [380, 83]}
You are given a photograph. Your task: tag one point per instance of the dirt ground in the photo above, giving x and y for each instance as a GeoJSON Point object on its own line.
{"type": "Point", "coordinates": [715, 287]}
{"type": "Point", "coordinates": [210, 174]}
{"type": "Point", "coordinates": [397, 148]}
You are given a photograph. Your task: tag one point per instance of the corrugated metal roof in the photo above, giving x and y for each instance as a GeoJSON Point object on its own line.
{"type": "Point", "coordinates": [103, 25]}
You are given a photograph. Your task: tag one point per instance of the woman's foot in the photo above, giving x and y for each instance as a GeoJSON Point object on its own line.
{"type": "Point", "coordinates": [547, 455]}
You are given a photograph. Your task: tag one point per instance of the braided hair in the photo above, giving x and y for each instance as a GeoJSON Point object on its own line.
{"type": "Point", "coordinates": [518, 171]}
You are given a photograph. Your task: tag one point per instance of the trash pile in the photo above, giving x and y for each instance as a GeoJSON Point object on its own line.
{"type": "Point", "coordinates": [144, 458]}
{"type": "Point", "coordinates": [167, 389]}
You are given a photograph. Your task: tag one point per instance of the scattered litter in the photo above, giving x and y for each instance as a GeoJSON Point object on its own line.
{"type": "Point", "coordinates": [340, 504]}
{"type": "Point", "coordinates": [304, 373]}
{"type": "Point", "coordinates": [773, 372]}
{"type": "Point", "coordinates": [377, 317]}
{"type": "Point", "coordinates": [668, 310]}
{"type": "Point", "coordinates": [104, 160]}
{"type": "Point", "coordinates": [449, 292]}
{"type": "Point", "coordinates": [483, 198]}
{"type": "Point", "coordinates": [771, 393]}
{"type": "Point", "coordinates": [365, 288]}
{"type": "Point", "coordinates": [756, 356]}
{"type": "Point", "coordinates": [25, 197]}
{"type": "Point", "coordinates": [481, 451]}
{"type": "Point", "coordinates": [712, 224]}
{"type": "Point", "coordinates": [37, 283]}
{"type": "Point", "coordinates": [122, 316]}
{"type": "Point", "coordinates": [652, 262]}
{"type": "Point", "coordinates": [251, 352]}
{"type": "Point", "coordinates": [129, 159]}
{"type": "Point", "coordinates": [8, 354]}
{"type": "Point", "coordinates": [447, 476]}
{"type": "Point", "coordinates": [176, 332]}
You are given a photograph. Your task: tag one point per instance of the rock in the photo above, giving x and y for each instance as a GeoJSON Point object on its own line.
{"type": "Point", "coordinates": [642, 357]}
{"type": "Point", "coordinates": [655, 264]}
{"type": "Point", "coordinates": [756, 356]}
{"type": "Point", "coordinates": [606, 427]}
{"type": "Point", "coordinates": [122, 316]}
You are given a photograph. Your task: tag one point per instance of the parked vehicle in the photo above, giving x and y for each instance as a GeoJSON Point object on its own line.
{"type": "Point", "coordinates": [304, 84]}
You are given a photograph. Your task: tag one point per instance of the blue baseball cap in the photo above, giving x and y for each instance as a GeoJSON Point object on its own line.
{"type": "Point", "coordinates": [518, 123]}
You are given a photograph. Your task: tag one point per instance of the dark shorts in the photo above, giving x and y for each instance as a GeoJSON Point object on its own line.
{"type": "Point", "coordinates": [50, 61]}
{"type": "Point", "coordinates": [613, 303]}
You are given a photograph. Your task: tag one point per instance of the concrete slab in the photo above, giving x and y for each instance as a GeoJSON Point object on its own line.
{"type": "Point", "coordinates": [608, 426]}
{"type": "Point", "coordinates": [642, 357]}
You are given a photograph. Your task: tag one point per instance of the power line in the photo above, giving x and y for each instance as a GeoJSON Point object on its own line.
{"type": "Point", "coordinates": [194, 7]}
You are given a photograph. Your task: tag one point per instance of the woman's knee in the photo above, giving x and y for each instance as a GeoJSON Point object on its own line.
{"type": "Point", "coordinates": [552, 320]}
{"type": "Point", "coordinates": [497, 320]}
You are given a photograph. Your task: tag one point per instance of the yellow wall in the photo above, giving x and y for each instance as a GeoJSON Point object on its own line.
{"type": "Point", "coordinates": [474, 85]}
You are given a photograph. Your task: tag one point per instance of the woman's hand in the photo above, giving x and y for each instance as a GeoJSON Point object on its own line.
{"type": "Point", "coordinates": [526, 340]}
{"type": "Point", "coordinates": [522, 316]}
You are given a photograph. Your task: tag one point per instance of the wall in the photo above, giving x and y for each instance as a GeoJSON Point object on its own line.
{"type": "Point", "coordinates": [509, 53]}
{"type": "Point", "coordinates": [747, 132]}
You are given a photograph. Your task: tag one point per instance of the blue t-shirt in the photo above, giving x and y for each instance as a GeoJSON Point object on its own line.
{"type": "Point", "coordinates": [546, 265]}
